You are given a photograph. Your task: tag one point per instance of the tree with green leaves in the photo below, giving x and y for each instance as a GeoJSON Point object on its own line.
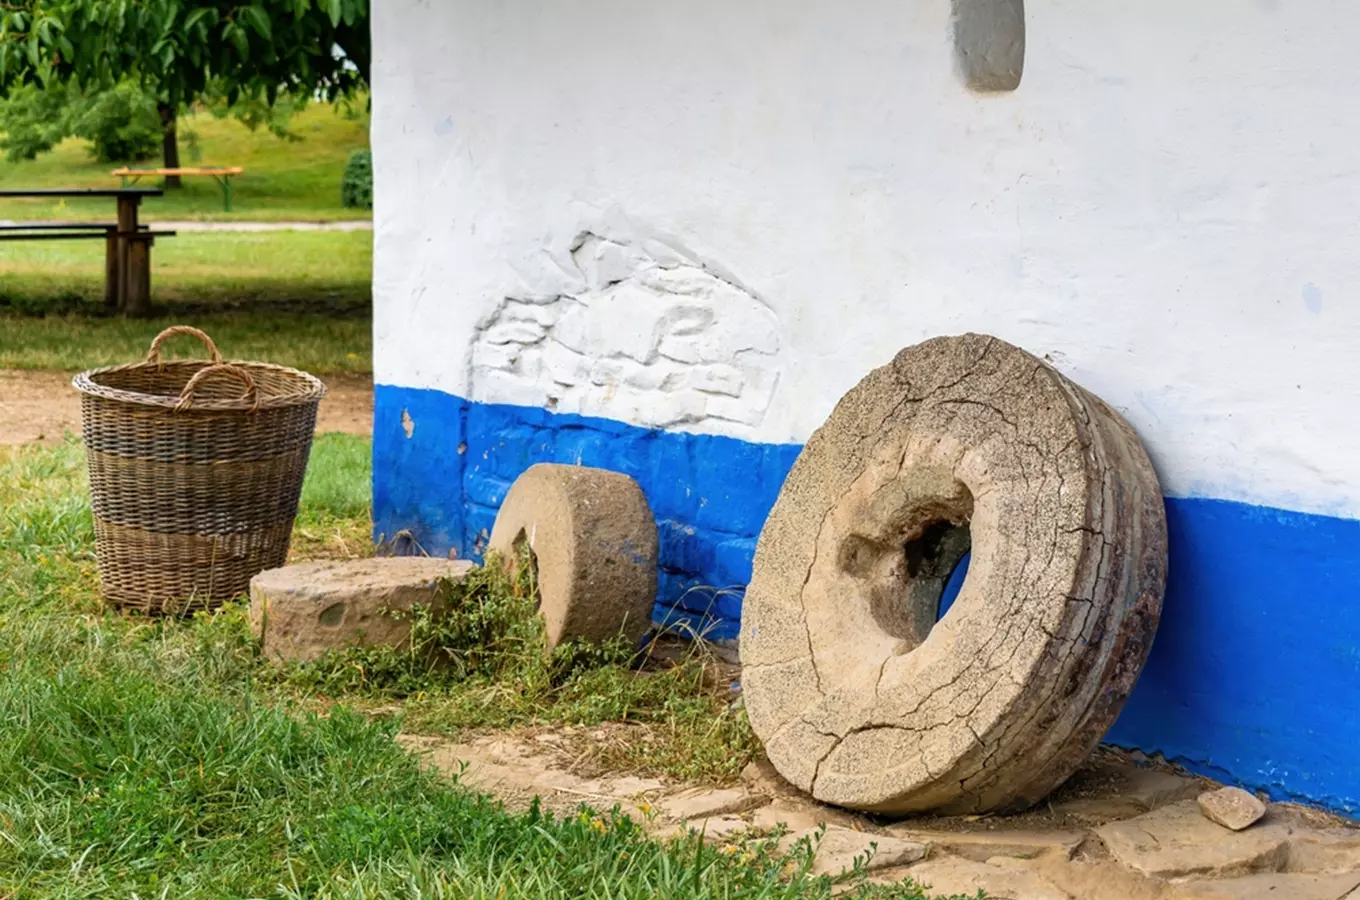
{"type": "Point", "coordinates": [186, 50]}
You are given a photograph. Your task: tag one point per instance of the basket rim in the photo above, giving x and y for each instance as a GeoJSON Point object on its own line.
{"type": "Point", "coordinates": [311, 390]}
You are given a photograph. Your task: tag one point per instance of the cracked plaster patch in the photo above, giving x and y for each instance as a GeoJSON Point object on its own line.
{"type": "Point", "coordinates": [644, 333]}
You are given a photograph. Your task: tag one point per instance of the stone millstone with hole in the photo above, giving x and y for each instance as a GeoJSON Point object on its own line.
{"type": "Point", "coordinates": [299, 612]}
{"type": "Point", "coordinates": [861, 698]}
{"type": "Point", "coordinates": [594, 544]}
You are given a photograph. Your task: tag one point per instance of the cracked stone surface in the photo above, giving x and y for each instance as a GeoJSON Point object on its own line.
{"type": "Point", "coordinates": [966, 440]}
{"type": "Point", "coordinates": [299, 612]}
{"type": "Point", "coordinates": [594, 541]}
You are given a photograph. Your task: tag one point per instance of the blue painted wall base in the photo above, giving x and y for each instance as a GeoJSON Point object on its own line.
{"type": "Point", "coordinates": [710, 494]}
{"type": "Point", "coordinates": [1256, 664]}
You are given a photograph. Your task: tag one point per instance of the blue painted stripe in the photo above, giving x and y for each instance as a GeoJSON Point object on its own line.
{"type": "Point", "coordinates": [710, 494]}
{"type": "Point", "coordinates": [1252, 677]}
{"type": "Point", "coordinates": [1255, 672]}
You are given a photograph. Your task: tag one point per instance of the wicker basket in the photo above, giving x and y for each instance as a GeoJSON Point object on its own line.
{"type": "Point", "coordinates": [195, 473]}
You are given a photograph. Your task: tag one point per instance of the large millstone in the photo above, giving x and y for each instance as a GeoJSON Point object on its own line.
{"type": "Point", "coordinates": [860, 696]}
{"type": "Point", "coordinates": [299, 612]}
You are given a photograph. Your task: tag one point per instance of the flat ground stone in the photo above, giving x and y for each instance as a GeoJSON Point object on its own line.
{"type": "Point", "coordinates": [717, 828]}
{"type": "Point", "coordinates": [1270, 887]}
{"type": "Point", "coordinates": [703, 803]}
{"type": "Point", "coordinates": [981, 846]}
{"type": "Point", "coordinates": [964, 877]}
{"type": "Point", "coordinates": [797, 814]}
{"type": "Point", "coordinates": [839, 848]}
{"type": "Point", "coordinates": [1231, 807]}
{"type": "Point", "coordinates": [1176, 841]}
{"type": "Point", "coordinates": [1154, 788]}
{"type": "Point", "coordinates": [299, 612]}
{"type": "Point", "coordinates": [850, 681]}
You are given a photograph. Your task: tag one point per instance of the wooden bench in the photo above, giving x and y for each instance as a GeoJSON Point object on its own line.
{"type": "Point", "coordinates": [223, 175]}
{"type": "Point", "coordinates": [127, 244]}
{"type": "Point", "coordinates": [62, 231]}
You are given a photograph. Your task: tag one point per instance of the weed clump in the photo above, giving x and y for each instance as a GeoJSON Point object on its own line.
{"type": "Point", "coordinates": [479, 659]}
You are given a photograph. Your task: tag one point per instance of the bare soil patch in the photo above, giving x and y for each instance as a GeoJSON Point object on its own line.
{"type": "Point", "coordinates": [41, 406]}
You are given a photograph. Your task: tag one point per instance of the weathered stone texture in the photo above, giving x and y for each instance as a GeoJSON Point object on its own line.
{"type": "Point", "coordinates": [594, 542]}
{"type": "Point", "coordinates": [299, 612]}
{"type": "Point", "coordinates": [858, 699]}
{"type": "Point", "coordinates": [1231, 807]}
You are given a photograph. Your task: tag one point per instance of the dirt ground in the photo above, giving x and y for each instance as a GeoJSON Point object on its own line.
{"type": "Point", "coordinates": [41, 407]}
{"type": "Point", "coordinates": [1124, 827]}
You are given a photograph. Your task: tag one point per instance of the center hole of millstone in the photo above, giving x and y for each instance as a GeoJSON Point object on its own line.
{"type": "Point", "coordinates": [911, 582]}
{"type": "Point", "coordinates": [937, 563]}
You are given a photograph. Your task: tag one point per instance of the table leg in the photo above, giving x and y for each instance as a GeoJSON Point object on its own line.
{"type": "Point", "coordinates": [112, 270]}
{"type": "Point", "coordinates": [133, 300]}
{"type": "Point", "coordinates": [138, 280]}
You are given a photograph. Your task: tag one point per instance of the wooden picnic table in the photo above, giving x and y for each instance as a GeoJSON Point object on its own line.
{"type": "Point", "coordinates": [223, 175]}
{"type": "Point", "coordinates": [127, 265]}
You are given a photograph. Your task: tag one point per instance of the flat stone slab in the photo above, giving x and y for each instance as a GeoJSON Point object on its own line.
{"type": "Point", "coordinates": [1154, 788]}
{"type": "Point", "coordinates": [704, 803]}
{"type": "Point", "coordinates": [981, 846]}
{"type": "Point", "coordinates": [797, 814]}
{"type": "Point", "coordinates": [1177, 841]}
{"type": "Point", "coordinates": [300, 612]}
{"type": "Point", "coordinates": [1270, 887]}
{"type": "Point", "coordinates": [1231, 807]}
{"type": "Point", "coordinates": [840, 847]}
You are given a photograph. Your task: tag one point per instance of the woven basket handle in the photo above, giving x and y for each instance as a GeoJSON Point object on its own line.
{"type": "Point", "coordinates": [186, 396]}
{"type": "Point", "coordinates": [154, 354]}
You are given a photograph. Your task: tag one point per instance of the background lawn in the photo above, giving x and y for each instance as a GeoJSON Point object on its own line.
{"type": "Point", "coordinates": [292, 297]}
{"type": "Point", "coordinates": [284, 180]}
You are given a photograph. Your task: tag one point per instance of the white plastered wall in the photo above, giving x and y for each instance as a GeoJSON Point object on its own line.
{"type": "Point", "coordinates": [1168, 208]}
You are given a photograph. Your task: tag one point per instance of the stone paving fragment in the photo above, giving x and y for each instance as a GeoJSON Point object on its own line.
{"type": "Point", "coordinates": [703, 803]}
{"type": "Point", "coordinates": [980, 846]}
{"type": "Point", "coordinates": [1269, 886]}
{"type": "Point", "coordinates": [1177, 841]}
{"type": "Point", "coordinates": [839, 847]}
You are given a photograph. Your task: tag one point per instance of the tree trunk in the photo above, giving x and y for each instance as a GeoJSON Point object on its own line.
{"type": "Point", "coordinates": [169, 143]}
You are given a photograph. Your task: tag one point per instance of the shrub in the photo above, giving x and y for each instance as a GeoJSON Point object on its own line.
{"type": "Point", "coordinates": [121, 124]}
{"type": "Point", "coordinates": [33, 120]}
{"type": "Point", "coordinates": [357, 187]}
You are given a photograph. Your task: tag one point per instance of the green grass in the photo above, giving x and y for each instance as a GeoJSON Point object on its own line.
{"type": "Point", "coordinates": [283, 180]}
{"type": "Point", "coordinates": [162, 759]}
{"type": "Point", "coordinates": [296, 298]}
